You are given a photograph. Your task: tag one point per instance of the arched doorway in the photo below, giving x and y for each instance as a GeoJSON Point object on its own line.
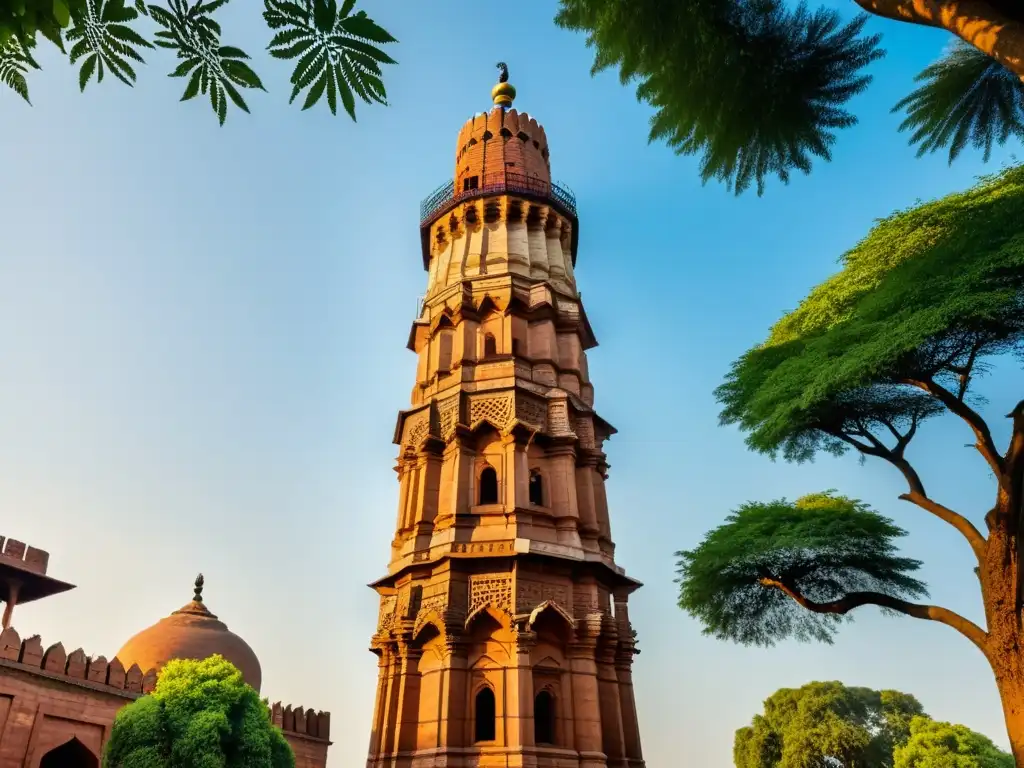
{"type": "Point", "coordinates": [70, 754]}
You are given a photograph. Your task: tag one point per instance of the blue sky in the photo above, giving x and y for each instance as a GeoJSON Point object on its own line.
{"type": "Point", "coordinates": [204, 354]}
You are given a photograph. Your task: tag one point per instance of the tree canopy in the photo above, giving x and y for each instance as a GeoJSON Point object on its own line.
{"type": "Point", "coordinates": [759, 88]}
{"type": "Point", "coordinates": [934, 744]}
{"type": "Point", "coordinates": [824, 723]}
{"type": "Point", "coordinates": [201, 715]}
{"type": "Point", "coordinates": [920, 309]}
{"type": "Point", "coordinates": [823, 548]}
{"type": "Point", "coordinates": [335, 49]}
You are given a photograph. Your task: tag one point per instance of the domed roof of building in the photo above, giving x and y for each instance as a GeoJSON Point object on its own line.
{"type": "Point", "coordinates": [192, 632]}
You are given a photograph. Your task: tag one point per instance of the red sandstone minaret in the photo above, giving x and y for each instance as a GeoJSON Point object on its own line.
{"type": "Point", "coordinates": [504, 637]}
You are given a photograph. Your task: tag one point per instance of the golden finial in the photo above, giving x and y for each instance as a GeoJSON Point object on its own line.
{"type": "Point", "coordinates": [504, 92]}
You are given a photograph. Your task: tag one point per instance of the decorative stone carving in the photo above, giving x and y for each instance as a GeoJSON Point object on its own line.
{"type": "Point", "coordinates": [388, 607]}
{"type": "Point", "coordinates": [416, 428]}
{"type": "Point", "coordinates": [532, 411]}
{"type": "Point", "coordinates": [448, 415]}
{"type": "Point", "coordinates": [496, 409]}
{"type": "Point", "coordinates": [435, 598]}
{"type": "Point", "coordinates": [495, 589]}
{"type": "Point", "coordinates": [530, 594]}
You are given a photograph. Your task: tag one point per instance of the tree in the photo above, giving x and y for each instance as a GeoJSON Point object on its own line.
{"type": "Point", "coordinates": [758, 88]}
{"type": "Point", "coordinates": [334, 47]}
{"type": "Point", "coordinates": [943, 745]}
{"type": "Point", "coordinates": [201, 715]}
{"type": "Point", "coordinates": [826, 723]}
{"type": "Point", "coordinates": [919, 310]}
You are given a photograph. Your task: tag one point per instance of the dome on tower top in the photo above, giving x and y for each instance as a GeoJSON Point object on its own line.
{"type": "Point", "coordinates": [191, 632]}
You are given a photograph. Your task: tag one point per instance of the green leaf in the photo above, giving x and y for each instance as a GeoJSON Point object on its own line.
{"type": "Point", "coordinates": [192, 89]}
{"type": "Point", "coordinates": [346, 92]}
{"type": "Point", "coordinates": [362, 26]}
{"type": "Point", "coordinates": [228, 52]}
{"type": "Point", "coordinates": [325, 14]}
{"type": "Point", "coordinates": [316, 91]}
{"type": "Point", "coordinates": [61, 13]}
{"type": "Point", "coordinates": [87, 71]}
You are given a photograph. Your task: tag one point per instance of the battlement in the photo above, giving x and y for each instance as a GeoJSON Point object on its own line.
{"type": "Point", "coordinates": [497, 142]}
{"type": "Point", "coordinates": [302, 722]}
{"type": "Point", "coordinates": [75, 667]}
{"type": "Point", "coordinates": [20, 555]}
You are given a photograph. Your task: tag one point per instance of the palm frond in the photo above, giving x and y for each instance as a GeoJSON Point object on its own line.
{"type": "Point", "coordinates": [213, 69]}
{"type": "Point", "coordinates": [967, 98]}
{"type": "Point", "coordinates": [336, 51]}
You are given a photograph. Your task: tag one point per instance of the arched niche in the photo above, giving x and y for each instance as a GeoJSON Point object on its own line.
{"type": "Point", "coordinates": [70, 754]}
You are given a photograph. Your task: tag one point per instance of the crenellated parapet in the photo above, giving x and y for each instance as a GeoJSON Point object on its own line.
{"type": "Point", "coordinates": [295, 720]}
{"type": "Point", "coordinates": [21, 555]}
{"type": "Point", "coordinates": [498, 142]}
{"type": "Point", "coordinates": [54, 662]}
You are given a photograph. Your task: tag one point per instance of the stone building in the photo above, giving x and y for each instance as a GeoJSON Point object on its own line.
{"type": "Point", "coordinates": [504, 637]}
{"type": "Point", "coordinates": [57, 708]}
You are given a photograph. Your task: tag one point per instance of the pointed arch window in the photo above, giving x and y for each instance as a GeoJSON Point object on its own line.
{"type": "Point", "coordinates": [70, 754]}
{"type": "Point", "coordinates": [536, 488]}
{"type": "Point", "coordinates": [484, 716]}
{"type": "Point", "coordinates": [489, 486]}
{"type": "Point", "coordinates": [490, 345]}
{"type": "Point", "coordinates": [544, 718]}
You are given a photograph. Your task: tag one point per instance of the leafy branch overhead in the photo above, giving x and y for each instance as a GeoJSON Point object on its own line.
{"type": "Point", "coordinates": [335, 50]}
{"type": "Point", "coordinates": [760, 88]}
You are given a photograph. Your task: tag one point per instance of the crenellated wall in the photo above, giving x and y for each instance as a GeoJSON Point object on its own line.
{"type": "Point", "coordinates": [501, 142]}
{"type": "Point", "coordinates": [49, 696]}
{"type": "Point", "coordinates": [29, 558]}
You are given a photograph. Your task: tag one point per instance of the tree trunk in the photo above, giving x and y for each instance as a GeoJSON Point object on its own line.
{"type": "Point", "coordinates": [1011, 695]}
{"type": "Point", "coordinates": [998, 576]}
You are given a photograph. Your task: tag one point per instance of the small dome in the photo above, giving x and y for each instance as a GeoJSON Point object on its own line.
{"type": "Point", "coordinates": [191, 632]}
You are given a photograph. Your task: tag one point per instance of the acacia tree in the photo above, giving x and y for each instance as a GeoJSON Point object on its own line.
{"type": "Point", "coordinates": [335, 48]}
{"type": "Point", "coordinates": [758, 88]}
{"type": "Point", "coordinates": [934, 744]}
{"type": "Point", "coordinates": [201, 714]}
{"type": "Point", "coordinates": [920, 309]}
{"type": "Point", "coordinates": [825, 723]}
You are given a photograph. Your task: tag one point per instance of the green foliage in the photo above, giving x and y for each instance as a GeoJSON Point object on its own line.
{"type": "Point", "coordinates": [201, 715]}
{"type": "Point", "coordinates": [753, 87]}
{"type": "Point", "coordinates": [926, 297]}
{"type": "Point", "coordinates": [826, 723]}
{"type": "Point", "coordinates": [333, 55]}
{"type": "Point", "coordinates": [337, 50]}
{"type": "Point", "coordinates": [935, 744]}
{"type": "Point", "coordinates": [967, 98]}
{"type": "Point", "coordinates": [759, 88]}
{"type": "Point", "coordinates": [822, 546]}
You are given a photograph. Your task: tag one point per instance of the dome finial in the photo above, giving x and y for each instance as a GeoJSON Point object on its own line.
{"type": "Point", "coordinates": [198, 596]}
{"type": "Point", "coordinates": [504, 92]}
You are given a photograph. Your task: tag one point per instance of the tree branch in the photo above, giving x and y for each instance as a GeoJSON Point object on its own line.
{"type": "Point", "coordinates": [985, 444]}
{"type": "Point", "coordinates": [848, 602]}
{"type": "Point", "coordinates": [977, 22]}
{"type": "Point", "coordinates": [917, 493]}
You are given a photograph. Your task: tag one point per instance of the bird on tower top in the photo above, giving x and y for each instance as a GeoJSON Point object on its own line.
{"type": "Point", "coordinates": [504, 92]}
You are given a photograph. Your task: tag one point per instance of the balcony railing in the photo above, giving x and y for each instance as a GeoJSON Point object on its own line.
{"type": "Point", "coordinates": [446, 196]}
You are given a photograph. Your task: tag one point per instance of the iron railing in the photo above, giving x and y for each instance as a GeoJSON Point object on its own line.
{"type": "Point", "coordinates": [446, 196]}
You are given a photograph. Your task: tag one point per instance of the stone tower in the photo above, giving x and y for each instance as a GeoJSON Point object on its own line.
{"type": "Point", "coordinates": [504, 637]}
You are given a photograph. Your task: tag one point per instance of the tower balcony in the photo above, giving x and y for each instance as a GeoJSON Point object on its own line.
{"type": "Point", "coordinates": [445, 197]}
